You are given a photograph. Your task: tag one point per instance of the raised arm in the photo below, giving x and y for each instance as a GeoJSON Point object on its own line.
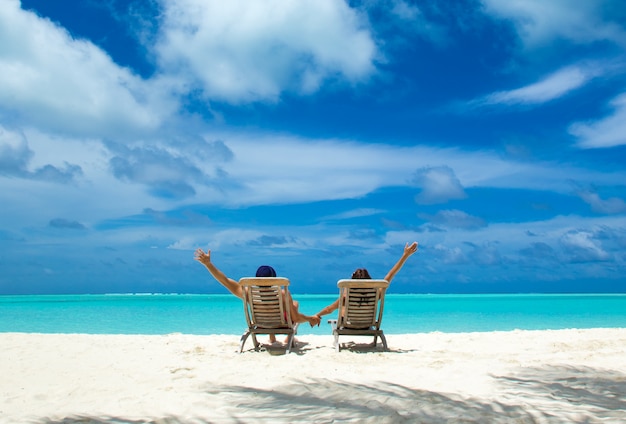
{"type": "Point", "coordinates": [229, 283]}
{"type": "Point", "coordinates": [408, 251]}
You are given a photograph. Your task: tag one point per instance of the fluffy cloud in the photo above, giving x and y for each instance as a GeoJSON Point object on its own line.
{"type": "Point", "coordinates": [240, 51]}
{"type": "Point", "coordinates": [71, 85]}
{"type": "Point", "coordinates": [166, 169]}
{"type": "Point", "coordinates": [582, 246]}
{"type": "Point", "coordinates": [15, 158]}
{"type": "Point", "coordinates": [438, 184]}
{"type": "Point", "coordinates": [166, 174]}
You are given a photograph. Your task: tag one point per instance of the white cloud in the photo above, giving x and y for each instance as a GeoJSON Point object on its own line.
{"type": "Point", "coordinates": [540, 22]}
{"type": "Point", "coordinates": [268, 168]}
{"type": "Point", "coordinates": [571, 238]}
{"type": "Point", "coordinates": [549, 88]}
{"type": "Point", "coordinates": [609, 131]}
{"type": "Point", "coordinates": [16, 157]}
{"type": "Point", "coordinates": [186, 243]}
{"type": "Point", "coordinates": [581, 246]}
{"type": "Point", "coordinates": [53, 81]}
{"type": "Point", "coordinates": [241, 51]}
{"type": "Point", "coordinates": [355, 213]}
{"type": "Point", "coordinates": [95, 196]}
{"type": "Point", "coordinates": [612, 205]}
{"type": "Point", "coordinates": [438, 184]}
{"type": "Point", "coordinates": [333, 169]}
{"type": "Point", "coordinates": [257, 169]}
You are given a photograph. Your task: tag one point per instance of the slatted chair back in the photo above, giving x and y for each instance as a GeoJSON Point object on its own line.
{"type": "Point", "coordinates": [266, 308]}
{"type": "Point", "coordinates": [361, 305]}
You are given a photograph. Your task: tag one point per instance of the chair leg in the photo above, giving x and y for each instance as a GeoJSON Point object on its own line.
{"type": "Point", "coordinates": [256, 342]}
{"type": "Point", "coordinates": [290, 338]}
{"type": "Point", "coordinates": [243, 340]}
{"type": "Point", "coordinates": [384, 340]}
{"type": "Point", "coordinates": [333, 324]}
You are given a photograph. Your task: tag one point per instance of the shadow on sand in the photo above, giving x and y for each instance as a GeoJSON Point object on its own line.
{"type": "Point", "coordinates": [301, 348]}
{"type": "Point", "coordinates": [535, 395]}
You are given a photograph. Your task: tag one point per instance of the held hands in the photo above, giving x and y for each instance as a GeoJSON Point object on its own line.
{"type": "Point", "coordinates": [314, 320]}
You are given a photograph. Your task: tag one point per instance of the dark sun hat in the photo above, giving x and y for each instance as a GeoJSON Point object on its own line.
{"type": "Point", "coordinates": [265, 271]}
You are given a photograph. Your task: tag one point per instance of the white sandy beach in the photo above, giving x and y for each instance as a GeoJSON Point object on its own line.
{"type": "Point", "coordinates": [563, 376]}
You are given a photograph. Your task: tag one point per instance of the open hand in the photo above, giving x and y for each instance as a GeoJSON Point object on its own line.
{"type": "Point", "coordinates": [410, 249]}
{"type": "Point", "coordinates": [203, 258]}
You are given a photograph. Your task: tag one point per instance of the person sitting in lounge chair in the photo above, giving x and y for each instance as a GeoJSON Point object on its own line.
{"type": "Point", "coordinates": [361, 274]}
{"type": "Point", "coordinates": [235, 288]}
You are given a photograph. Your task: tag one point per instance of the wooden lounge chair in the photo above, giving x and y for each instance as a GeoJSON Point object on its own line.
{"type": "Point", "coordinates": [360, 311]}
{"type": "Point", "coordinates": [267, 311]}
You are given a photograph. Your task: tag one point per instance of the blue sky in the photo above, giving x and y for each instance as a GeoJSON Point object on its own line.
{"type": "Point", "coordinates": [316, 136]}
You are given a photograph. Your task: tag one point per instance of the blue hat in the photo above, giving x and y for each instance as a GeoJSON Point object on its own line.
{"type": "Point", "coordinates": [265, 271]}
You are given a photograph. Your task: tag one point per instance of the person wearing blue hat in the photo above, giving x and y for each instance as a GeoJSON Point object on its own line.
{"type": "Point", "coordinates": [233, 286]}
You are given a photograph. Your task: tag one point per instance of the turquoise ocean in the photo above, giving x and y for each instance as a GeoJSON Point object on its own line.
{"type": "Point", "coordinates": [223, 314]}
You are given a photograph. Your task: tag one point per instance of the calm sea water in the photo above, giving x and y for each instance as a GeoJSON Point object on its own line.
{"type": "Point", "coordinates": [223, 314]}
